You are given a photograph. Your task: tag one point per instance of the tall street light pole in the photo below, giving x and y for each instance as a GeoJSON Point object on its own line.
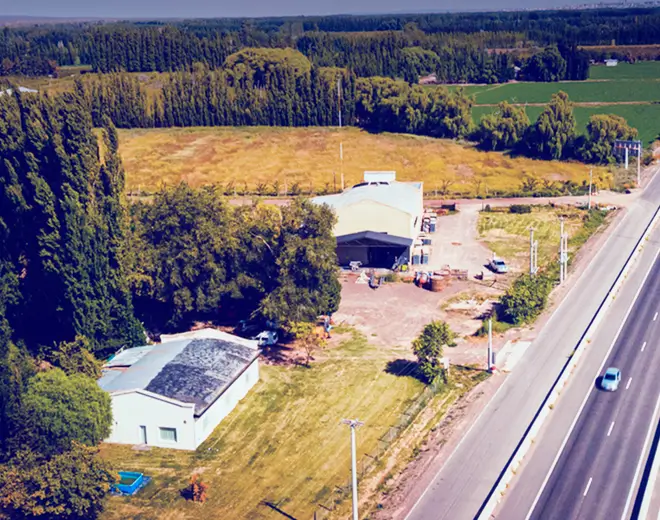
{"type": "Point", "coordinates": [354, 423]}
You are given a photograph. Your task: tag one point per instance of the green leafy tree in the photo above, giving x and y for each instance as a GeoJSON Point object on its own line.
{"type": "Point", "coordinates": [525, 299]}
{"type": "Point", "coordinates": [428, 348]}
{"type": "Point", "coordinates": [503, 129]}
{"type": "Point", "coordinates": [602, 131]}
{"type": "Point", "coordinates": [449, 113]}
{"type": "Point", "coordinates": [58, 409]}
{"type": "Point", "coordinates": [554, 129]}
{"type": "Point", "coordinates": [183, 252]}
{"type": "Point", "coordinates": [68, 486]}
{"type": "Point", "coordinates": [305, 285]}
{"type": "Point", "coordinates": [74, 357]}
{"type": "Point", "coordinates": [548, 65]}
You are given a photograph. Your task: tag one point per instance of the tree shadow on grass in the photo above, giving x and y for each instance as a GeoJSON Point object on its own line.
{"type": "Point", "coordinates": [275, 508]}
{"type": "Point", "coordinates": [405, 368]}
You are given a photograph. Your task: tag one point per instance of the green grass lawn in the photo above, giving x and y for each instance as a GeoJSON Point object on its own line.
{"type": "Point", "coordinates": [507, 234]}
{"type": "Point", "coordinates": [646, 118]}
{"type": "Point", "coordinates": [578, 91]}
{"type": "Point", "coordinates": [283, 443]}
{"type": "Point", "coordinates": [639, 70]}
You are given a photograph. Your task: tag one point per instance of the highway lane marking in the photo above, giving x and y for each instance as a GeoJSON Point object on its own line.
{"type": "Point", "coordinates": [628, 385]}
{"type": "Point", "coordinates": [586, 397]}
{"type": "Point", "coordinates": [642, 458]}
{"type": "Point", "coordinates": [643, 346]}
{"type": "Point", "coordinates": [586, 490]}
{"type": "Point", "coordinates": [610, 430]}
{"type": "Point", "coordinates": [655, 317]}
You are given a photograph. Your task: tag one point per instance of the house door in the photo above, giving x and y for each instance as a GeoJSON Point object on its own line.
{"type": "Point", "coordinates": [143, 434]}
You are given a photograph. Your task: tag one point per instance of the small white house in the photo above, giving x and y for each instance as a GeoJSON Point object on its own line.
{"type": "Point", "coordinates": [611, 63]}
{"type": "Point", "coordinates": [174, 394]}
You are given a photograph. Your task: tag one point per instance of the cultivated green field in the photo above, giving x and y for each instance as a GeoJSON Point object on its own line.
{"type": "Point", "coordinates": [646, 118]}
{"type": "Point", "coordinates": [631, 91]}
{"type": "Point", "coordinates": [614, 91]}
{"type": "Point", "coordinates": [640, 70]}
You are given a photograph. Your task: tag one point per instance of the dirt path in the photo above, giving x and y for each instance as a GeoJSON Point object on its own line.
{"type": "Point", "coordinates": [603, 197]}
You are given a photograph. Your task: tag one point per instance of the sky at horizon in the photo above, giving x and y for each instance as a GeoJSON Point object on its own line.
{"type": "Point", "coordinates": [253, 8]}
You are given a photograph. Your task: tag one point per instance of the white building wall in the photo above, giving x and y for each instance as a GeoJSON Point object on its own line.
{"type": "Point", "coordinates": [215, 413]}
{"type": "Point", "coordinates": [368, 215]}
{"type": "Point", "coordinates": [137, 408]}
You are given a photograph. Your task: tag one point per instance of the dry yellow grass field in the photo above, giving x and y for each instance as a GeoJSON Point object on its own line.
{"type": "Point", "coordinates": [310, 157]}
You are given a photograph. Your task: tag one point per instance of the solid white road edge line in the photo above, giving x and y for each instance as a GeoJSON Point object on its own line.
{"type": "Point", "coordinates": [610, 430]}
{"type": "Point", "coordinates": [642, 457]}
{"type": "Point", "coordinates": [628, 385]}
{"type": "Point", "coordinates": [591, 388]}
{"type": "Point", "coordinates": [586, 490]}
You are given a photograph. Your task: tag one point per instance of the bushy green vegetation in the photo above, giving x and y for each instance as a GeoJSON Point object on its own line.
{"type": "Point", "coordinates": [642, 117]}
{"type": "Point", "coordinates": [428, 348]}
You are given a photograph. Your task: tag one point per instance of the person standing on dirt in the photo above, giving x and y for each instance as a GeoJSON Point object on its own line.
{"type": "Point", "coordinates": [327, 326]}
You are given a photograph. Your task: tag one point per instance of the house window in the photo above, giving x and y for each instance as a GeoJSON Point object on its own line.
{"type": "Point", "coordinates": [168, 434]}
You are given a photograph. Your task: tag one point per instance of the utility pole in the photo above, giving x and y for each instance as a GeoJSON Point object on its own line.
{"type": "Point", "coordinates": [490, 344]}
{"type": "Point", "coordinates": [353, 423]}
{"type": "Point", "coordinates": [533, 253]}
{"type": "Point", "coordinates": [626, 152]}
{"type": "Point", "coordinates": [563, 252]}
{"type": "Point", "coordinates": [341, 144]}
{"type": "Point", "coordinates": [591, 176]}
{"type": "Point", "coordinates": [639, 167]}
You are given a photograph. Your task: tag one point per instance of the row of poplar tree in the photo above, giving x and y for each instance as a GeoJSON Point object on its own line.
{"type": "Point", "coordinates": [82, 275]}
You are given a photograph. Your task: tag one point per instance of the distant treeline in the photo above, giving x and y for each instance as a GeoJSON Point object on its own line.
{"type": "Point", "coordinates": [368, 45]}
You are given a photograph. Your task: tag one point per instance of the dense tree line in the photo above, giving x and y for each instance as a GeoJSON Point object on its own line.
{"type": "Point", "coordinates": [272, 87]}
{"type": "Point", "coordinates": [198, 257]}
{"type": "Point", "coordinates": [62, 290]}
{"type": "Point", "coordinates": [176, 44]}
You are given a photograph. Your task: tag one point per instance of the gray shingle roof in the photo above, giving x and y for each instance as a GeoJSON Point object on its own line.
{"type": "Point", "coordinates": [195, 371]}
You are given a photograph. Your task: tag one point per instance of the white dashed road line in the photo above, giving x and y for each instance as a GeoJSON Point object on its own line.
{"type": "Point", "coordinates": [610, 430]}
{"type": "Point", "coordinates": [643, 346]}
{"type": "Point", "coordinates": [586, 490]}
{"type": "Point", "coordinates": [655, 317]}
{"type": "Point", "coordinates": [628, 385]}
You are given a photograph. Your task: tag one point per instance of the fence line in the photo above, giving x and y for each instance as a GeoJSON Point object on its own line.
{"type": "Point", "coordinates": [370, 460]}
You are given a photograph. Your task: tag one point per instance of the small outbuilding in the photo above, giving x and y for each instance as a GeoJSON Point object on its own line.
{"type": "Point", "coordinates": [174, 394]}
{"type": "Point", "coordinates": [611, 63]}
{"type": "Point", "coordinates": [378, 220]}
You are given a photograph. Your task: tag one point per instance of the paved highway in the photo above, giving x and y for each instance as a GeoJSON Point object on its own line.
{"type": "Point", "coordinates": [459, 490]}
{"type": "Point", "coordinates": [598, 471]}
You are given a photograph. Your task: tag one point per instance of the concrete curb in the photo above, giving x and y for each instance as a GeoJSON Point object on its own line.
{"type": "Point", "coordinates": [548, 404]}
{"type": "Point", "coordinates": [650, 486]}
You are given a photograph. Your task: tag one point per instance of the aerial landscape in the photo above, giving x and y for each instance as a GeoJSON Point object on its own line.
{"type": "Point", "coordinates": [368, 261]}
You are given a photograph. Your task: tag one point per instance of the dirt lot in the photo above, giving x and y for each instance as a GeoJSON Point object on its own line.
{"type": "Point", "coordinates": [394, 315]}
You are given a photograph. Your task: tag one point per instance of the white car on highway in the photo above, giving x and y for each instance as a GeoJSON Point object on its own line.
{"type": "Point", "coordinates": [611, 379]}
